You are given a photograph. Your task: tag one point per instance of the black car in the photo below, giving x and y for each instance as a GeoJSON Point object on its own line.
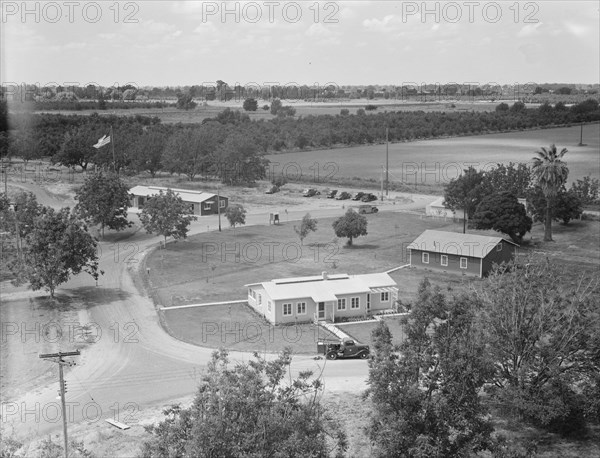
{"type": "Point", "coordinates": [368, 198]}
{"type": "Point", "coordinates": [343, 196]}
{"type": "Point", "coordinates": [331, 194]}
{"type": "Point", "coordinates": [310, 192]}
{"type": "Point", "coordinates": [358, 196]}
{"type": "Point", "coordinates": [347, 348]}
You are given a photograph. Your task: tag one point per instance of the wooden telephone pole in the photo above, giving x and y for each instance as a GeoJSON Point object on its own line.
{"type": "Point", "coordinates": [58, 358]}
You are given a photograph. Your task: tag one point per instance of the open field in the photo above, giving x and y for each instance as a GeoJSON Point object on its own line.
{"type": "Point", "coordinates": [431, 162]}
{"type": "Point", "coordinates": [171, 115]}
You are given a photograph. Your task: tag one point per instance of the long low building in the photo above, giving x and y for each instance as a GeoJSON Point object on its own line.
{"type": "Point", "coordinates": [201, 203]}
{"type": "Point", "coordinates": [466, 254]}
{"type": "Point", "coordinates": [437, 208]}
{"type": "Point", "coordinates": [324, 297]}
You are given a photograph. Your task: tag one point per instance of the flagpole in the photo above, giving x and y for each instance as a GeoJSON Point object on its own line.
{"type": "Point", "coordinates": [112, 145]}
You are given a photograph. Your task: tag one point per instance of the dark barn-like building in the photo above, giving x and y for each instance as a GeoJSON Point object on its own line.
{"type": "Point", "coordinates": [465, 254]}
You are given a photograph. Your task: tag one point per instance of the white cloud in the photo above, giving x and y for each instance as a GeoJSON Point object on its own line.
{"type": "Point", "coordinates": [529, 30]}
{"type": "Point", "coordinates": [576, 29]}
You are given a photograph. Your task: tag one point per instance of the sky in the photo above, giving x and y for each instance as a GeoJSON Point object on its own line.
{"type": "Point", "coordinates": [178, 43]}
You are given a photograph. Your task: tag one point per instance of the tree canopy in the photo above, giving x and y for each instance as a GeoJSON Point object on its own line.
{"type": "Point", "coordinates": [504, 213]}
{"type": "Point", "coordinates": [236, 215]}
{"type": "Point", "coordinates": [350, 226]}
{"type": "Point", "coordinates": [307, 225]}
{"type": "Point", "coordinates": [248, 409]}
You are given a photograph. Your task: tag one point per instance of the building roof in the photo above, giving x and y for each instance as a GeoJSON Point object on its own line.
{"type": "Point", "coordinates": [325, 287]}
{"type": "Point", "coordinates": [185, 194]}
{"type": "Point", "coordinates": [477, 246]}
{"type": "Point", "coordinates": [438, 203]}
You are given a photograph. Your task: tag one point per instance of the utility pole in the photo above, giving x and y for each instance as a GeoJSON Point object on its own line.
{"type": "Point", "coordinates": [219, 206]}
{"type": "Point", "coordinates": [387, 162]}
{"type": "Point", "coordinates": [580, 138]}
{"type": "Point", "coordinates": [58, 358]}
{"type": "Point", "coordinates": [112, 145]}
{"type": "Point", "coordinates": [382, 183]}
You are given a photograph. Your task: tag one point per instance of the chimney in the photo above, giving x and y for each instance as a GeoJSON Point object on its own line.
{"type": "Point", "coordinates": [324, 274]}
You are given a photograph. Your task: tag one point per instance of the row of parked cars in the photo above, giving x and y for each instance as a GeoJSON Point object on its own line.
{"type": "Point", "coordinates": [333, 194]}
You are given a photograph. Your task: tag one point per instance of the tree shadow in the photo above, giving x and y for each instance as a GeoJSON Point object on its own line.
{"type": "Point", "coordinates": [368, 246]}
{"type": "Point", "coordinates": [82, 298]}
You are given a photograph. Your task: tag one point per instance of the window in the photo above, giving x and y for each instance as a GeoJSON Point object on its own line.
{"type": "Point", "coordinates": [368, 301]}
{"type": "Point", "coordinates": [269, 305]}
{"type": "Point", "coordinates": [222, 203]}
{"type": "Point", "coordinates": [259, 299]}
{"type": "Point", "coordinates": [301, 308]}
{"type": "Point", "coordinates": [463, 263]}
{"type": "Point", "coordinates": [287, 309]}
{"type": "Point", "coordinates": [444, 260]}
{"type": "Point", "coordinates": [499, 247]}
{"type": "Point", "coordinates": [253, 294]}
{"type": "Point", "coordinates": [341, 304]}
{"type": "Point", "coordinates": [355, 302]}
{"type": "Point", "coordinates": [385, 297]}
{"type": "Point", "coordinates": [207, 206]}
{"type": "Point", "coordinates": [425, 258]}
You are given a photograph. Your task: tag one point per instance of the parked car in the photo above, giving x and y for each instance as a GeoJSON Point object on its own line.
{"type": "Point", "coordinates": [362, 209]}
{"type": "Point", "coordinates": [331, 194]}
{"type": "Point", "coordinates": [310, 192]}
{"type": "Point", "coordinates": [368, 197]}
{"type": "Point", "coordinates": [346, 348]}
{"type": "Point", "coordinates": [358, 196]}
{"type": "Point", "coordinates": [343, 196]}
{"type": "Point", "coordinates": [272, 190]}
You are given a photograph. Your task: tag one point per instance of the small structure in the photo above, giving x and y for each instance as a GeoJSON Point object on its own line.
{"type": "Point", "coordinates": [201, 203]}
{"type": "Point", "coordinates": [467, 254]}
{"type": "Point", "coordinates": [324, 297]}
{"type": "Point", "coordinates": [437, 208]}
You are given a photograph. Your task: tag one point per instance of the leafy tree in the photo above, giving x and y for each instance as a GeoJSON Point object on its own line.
{"type": "Point", "coordinates": [351, 225]}
{"type": "Point", "coordinates": [550, 173]}
{"type": "Point", "coordinates": [240, 161]}
{"type": "Point", "coordinates": [567, 206]}
{"type": "Point", "coordinates": [77, 147]}
{"type": "Point", "coordinates": [276, 105]}
{"type": "Point", "coordinates": [541, 337]}
{"type": "Point", "coordinates": [279, 181]}
{"type": "Point", "coordinates": [344, 112]}
{"type": "Point", "coordinates": [465, 193]}
{"type": "Point", "coordinates": [426, 396]}
{"type": "Point", "coordinates": [229, 116]}
{"type": "Point", "coordinates": [514, 178]}
{"type": "Point", "coordinates": [285, 111]}
{"type": "Point", "coordinates": [502, 108]}
{"type": "Point", "coordinates": [307, 225]}
{"type": "Point", "coordinates": [103, 200]}
{"type": "Point", "coordinates": [517, 107]}
{"type": "Point", "coordinates": [586, 189]}
{"type": "Point", "coordinates": [166, 214]}
{"type": "Point", "coordinates": [149, 152]}
{"type": "Point", "coordinates": [503, 213]}
{"type": "Point", "coordinates": [250, 104]}
{"type": "Point", "coordinates": [236, 215]}
{"type": "Point", "coordinates": [185, 101]}
{"type": "Point", "coordinates": [58, 246]}
{"type": "Point", "coordinates": [249, 410]}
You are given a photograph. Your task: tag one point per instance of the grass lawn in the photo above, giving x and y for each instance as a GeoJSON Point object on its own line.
{"type": "Point", "coordinates": [215, 266]}
{"type": "Point", "coordinates": [238, 327]}
{"type": "Point", "coordinates": [362, 331]}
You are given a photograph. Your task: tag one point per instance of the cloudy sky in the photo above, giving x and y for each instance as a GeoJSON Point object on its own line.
{"type": "Point", "coordinates": [346, 43]}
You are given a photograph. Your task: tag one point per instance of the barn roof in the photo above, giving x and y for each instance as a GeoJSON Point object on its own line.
{"type": "Point", "coordinates": [324, 287]}
{"type": "Point", "coordinates": [185, 194]}
{"type": "Point", "coordinates": [477, 246]}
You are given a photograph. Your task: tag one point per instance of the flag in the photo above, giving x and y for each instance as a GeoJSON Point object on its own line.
{"type": "Point", "coordinates": [101, 142]}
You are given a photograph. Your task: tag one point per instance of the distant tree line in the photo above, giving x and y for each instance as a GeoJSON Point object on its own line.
{"type": "Point", "coordinates": [231, 146]}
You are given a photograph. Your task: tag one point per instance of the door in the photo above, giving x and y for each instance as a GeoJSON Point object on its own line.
{"type": "Point", "coordinates": [321, 310]}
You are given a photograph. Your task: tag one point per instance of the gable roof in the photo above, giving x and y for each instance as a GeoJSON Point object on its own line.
{"type": "Point", "coordinates": [185, 194]}
{"type": "Point", "coordinates": [321, 289]}
{"type": "Point", "coordinates": [477, 246]}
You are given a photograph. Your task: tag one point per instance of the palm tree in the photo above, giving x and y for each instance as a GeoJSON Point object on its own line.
{"type": "Point", "coordinates": [550, 173]}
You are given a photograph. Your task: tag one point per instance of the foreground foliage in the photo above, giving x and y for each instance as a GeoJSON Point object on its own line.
{"type": "Point", "coordinates": [246, 409]}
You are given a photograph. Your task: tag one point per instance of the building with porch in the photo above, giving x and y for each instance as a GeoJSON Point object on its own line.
{"type": "Point", "coordinates": [201, 203]}
{"type": "Point", "coordinates": [323, 297]}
